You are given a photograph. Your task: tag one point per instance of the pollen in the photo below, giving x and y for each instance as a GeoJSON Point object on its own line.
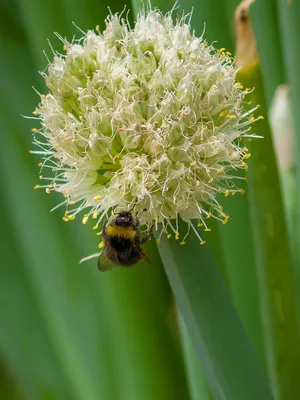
{"type": "Point", "coordinates": [246, 156]}
{"type": "Point", "coordinates": [245, 165]}
{"type": "Point", "coordinates": [223, 113]}
{"type": "Point", "coordinates": [101, 245]}
{"type": "Point", "coordinates": [238, 85]}
{"type": "Point", "coordinates": [85, 219]}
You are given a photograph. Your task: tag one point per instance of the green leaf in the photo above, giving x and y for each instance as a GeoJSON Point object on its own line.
{"type": "Point", "coordinates": [288, 13]}
{"type": "Point", "coordinates": [273, 256]}
{"type": "Point", "coordinates": [268, 44]}
{"type": "Point", "coordinates": [228, 360]}
{"type": "Point", "coordinates": [199, 389]}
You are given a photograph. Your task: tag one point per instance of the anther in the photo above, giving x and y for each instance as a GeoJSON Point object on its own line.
{"type": "Point", "coordinates": [85, 219]}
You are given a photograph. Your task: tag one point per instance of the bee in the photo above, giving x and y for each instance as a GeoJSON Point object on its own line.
{"type": "Point", "coordinates": [122, 241]}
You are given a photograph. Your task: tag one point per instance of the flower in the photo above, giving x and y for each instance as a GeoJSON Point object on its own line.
{"type": "Point", "coordinates": [150, 117]}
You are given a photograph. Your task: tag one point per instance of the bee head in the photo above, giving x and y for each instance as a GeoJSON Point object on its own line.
{"type": "Point", "coordinates": [124, 219]}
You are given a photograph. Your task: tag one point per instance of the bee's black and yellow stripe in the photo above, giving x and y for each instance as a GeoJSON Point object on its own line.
{"type": "Point", "coordinates": [121, 231]}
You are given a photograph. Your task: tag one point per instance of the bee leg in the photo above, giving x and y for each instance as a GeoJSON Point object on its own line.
{"type": "Point", "coordinates": [104, 226]}
{"type": "Point", "coordinates": [113, 210]}
{"type": "Point", "coordinates": [137, 221]}
{"type": "Point", "coordinates": [132, 208]}
{"type": "Point", "coordinates": [137, 214]}
{"type": "Point", "coordinates": [147, 236]}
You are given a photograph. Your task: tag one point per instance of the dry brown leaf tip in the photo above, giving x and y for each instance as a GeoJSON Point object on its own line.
{"type": "Point", "coordinates": [246, 52]}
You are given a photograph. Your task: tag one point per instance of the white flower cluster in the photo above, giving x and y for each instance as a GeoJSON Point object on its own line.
{"type": "Point", "coordinates": [149, 117]}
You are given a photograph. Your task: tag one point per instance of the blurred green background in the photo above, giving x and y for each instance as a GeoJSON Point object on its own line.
{"type": "Point", "coordinates": [70, 332]}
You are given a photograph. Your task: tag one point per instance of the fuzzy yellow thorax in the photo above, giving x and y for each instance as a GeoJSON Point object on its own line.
{"type": "Point", "coordinates": [115, 230]}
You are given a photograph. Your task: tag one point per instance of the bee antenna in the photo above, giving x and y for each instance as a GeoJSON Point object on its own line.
{"type": "Point", "coordinates": [134, 204]}
{"type": "Point", "coordinates": [138, 212]}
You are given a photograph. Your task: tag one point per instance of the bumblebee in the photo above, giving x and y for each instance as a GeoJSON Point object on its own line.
{"type": "Point", "coordinates": [122, 241]}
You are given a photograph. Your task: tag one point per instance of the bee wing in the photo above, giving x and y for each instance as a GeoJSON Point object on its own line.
{"type": "Point", "coordinates": [105, 264]}
{"type": "Point", "coordinates": [143, 254]}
